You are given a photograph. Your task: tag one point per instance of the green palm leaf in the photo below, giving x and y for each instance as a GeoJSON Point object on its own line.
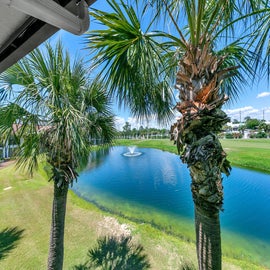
{"type": "Point", "coordinates": [131, 62]}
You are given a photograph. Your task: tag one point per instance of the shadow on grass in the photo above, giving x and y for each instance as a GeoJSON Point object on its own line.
{"type": "Point", "coordinates": [9, 238]}
{"type": "Point", "coordinates": [188, 266]}
{"type": "Point", "coordinates": [115, 253]}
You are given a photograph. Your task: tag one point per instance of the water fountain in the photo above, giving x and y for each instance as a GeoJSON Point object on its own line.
{"type": "Point", "coordinates": [131, 152]}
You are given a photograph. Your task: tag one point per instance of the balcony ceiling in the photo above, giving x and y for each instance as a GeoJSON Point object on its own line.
{"type": "Point", "coordinates": [20, 32]}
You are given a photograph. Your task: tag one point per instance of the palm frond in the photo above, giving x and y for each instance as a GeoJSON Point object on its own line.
{"type": "Point", "coordinates": [236, 55]}
{"type": "Point", "coordinates": [130, 61]}
{"type": "Point", "coordinates": [259, 39]}
{"type": "Point", "coordinates": [17, 122]}
{"type": "Point", "coordinates": [29, 152]}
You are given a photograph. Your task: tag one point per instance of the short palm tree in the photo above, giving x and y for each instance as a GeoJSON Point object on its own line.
{"type": "Point", "coordinates": [58, 113]}
{"type": "Point", "coordinates": [210, 63]}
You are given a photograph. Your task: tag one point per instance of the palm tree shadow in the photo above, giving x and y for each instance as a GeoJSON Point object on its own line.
{"type": "Point", "coordinates": [117, 254]}
{"type": "Point", "coordinates": [9, 238]}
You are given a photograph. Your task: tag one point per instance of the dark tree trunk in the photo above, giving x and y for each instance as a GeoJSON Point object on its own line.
{"type": "Point", "coordinates": [206, 159]}
{"type": "Point", "coordinates": [198, 80]}
{"type": "Point", "coordinates": [56, 251]}
{"type": "Point", "coordinates": [208, 239]}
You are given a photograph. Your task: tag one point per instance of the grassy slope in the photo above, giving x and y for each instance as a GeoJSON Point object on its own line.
{"type": "Point", "coordinates": [252, 154]}
{"type": "Point", "coordinates": [27, 206]}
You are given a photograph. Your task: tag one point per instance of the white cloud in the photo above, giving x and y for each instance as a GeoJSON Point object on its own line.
{"type": "Point", "coordinates": [238, 110]}
{"type": "Point", "coordinates": [243, 112]}
{"type": "Point", "coordinates": [119, 123]}
{"type": "Point", "coordinates": [263, 94]}
{"type": "Point", "coordinates": [267, 110]}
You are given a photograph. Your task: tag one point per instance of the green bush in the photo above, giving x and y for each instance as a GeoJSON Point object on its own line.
{"type": "Point", "coordinates": [261, 135]}
{"type": "Point", "coordinates": [229, 136]}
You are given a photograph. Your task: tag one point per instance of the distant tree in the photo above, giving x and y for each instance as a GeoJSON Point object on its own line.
{"type": "Point", "coordinates": [263, 126]}
{"type": "Point", "coordinates": [247, 118]}
{"type": "Point", "coordinates": [268, 128]}
{"type": "Point", "coordinates": [134, 133]}
{"type": "Point", "coordinates": [242, 129]}
{"type": "Point", "coordinates": [163, 132]}
{"type": "Point", "coordinates": [252, 123]}
{"type": "Point", "coordinates": [127, 129]}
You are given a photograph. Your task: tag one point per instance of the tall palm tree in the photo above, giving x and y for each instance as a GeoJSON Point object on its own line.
{"type": "Point", "coordinates": [206, 50]}
{"type": "Point", "coordinates": [58, 113]}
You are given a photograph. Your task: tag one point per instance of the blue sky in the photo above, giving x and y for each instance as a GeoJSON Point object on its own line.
{"type": "Point", "coordinates": [254, 101]}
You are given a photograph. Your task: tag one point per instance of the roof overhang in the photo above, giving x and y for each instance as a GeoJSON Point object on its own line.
{"type": "Point", "coordinates": [25, 24]}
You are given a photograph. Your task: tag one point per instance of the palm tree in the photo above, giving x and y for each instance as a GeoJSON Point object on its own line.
{"type": "Point", "coordinates": [58, 113]}
{"type": "Point", "coordinates": [210, 60]}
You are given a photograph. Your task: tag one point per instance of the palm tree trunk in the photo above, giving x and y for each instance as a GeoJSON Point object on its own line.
{"type": "Point", "coordinates": [208, 239]}
{"type": "Point", "coordinates": [206, 159]}
{"type": "Point", "coordinates": [56, 250]}
{"type": "Point", "coordinates": [198, 80]}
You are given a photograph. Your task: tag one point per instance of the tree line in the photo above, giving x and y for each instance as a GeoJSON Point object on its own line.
{"type": "Point", "coordinates": [142, 132]}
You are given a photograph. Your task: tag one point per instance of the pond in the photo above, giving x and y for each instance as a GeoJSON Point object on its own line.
{"type": "Point", "coordinates": [154, 187]}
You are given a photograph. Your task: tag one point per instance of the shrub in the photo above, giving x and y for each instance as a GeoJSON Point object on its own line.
{"type": "Point", "coordinates": [229, 136]}
{"type": "Point", "coordinates": [261, 135]}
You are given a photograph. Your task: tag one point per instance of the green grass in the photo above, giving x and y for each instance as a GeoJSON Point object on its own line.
{"type": "Point", "coordinates": [27, 208]}
{"type": "Point", "coordinates": [25, 211]}
{"type": "Point", "coordinates": [251, 154]}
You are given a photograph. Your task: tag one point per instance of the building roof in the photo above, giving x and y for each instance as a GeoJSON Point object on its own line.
{"type": "Point", "coordinates": [25, 24]}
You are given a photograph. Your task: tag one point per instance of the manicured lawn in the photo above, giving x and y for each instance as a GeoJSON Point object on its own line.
{"type": "Point", "coordinates": [25, 215]}
{"type": "Point", "coordinates": [251, 154]}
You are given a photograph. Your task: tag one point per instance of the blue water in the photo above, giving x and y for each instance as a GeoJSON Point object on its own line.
{"type": "Point", "coordinates": [158, 180]}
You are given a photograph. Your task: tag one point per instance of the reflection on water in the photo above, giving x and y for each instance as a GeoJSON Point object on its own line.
{"type": "Point", "coordinates": [157, 181]}
{"type": "Point", "coordinates": [97, 157]}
